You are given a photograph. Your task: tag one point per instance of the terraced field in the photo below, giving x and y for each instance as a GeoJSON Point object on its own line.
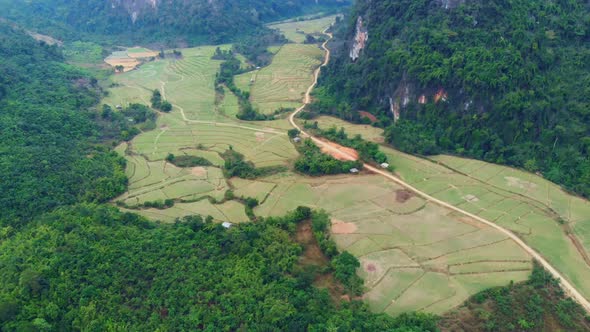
{"type": "Point", "coordinates": [196, 126]}
{"type": "Point", "coordinates": [553, 222]}
{"type": "Point", "coordinates": [414, 255]}
{"type": "Point", "coordinates": [284, 82]}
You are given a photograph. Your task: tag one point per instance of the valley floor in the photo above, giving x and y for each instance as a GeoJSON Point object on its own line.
{"type": "Point", "coordinates": [415, 255]}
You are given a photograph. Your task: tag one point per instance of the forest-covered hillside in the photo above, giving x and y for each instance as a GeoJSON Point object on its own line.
{"type": "Point", "coordinates": [157, 21]}
{"type": "Point", "coordinates": [503, 81]}
{"type": "Point", "coordinates": [93, 268]}
{"type": "Point", "coordinates": [48, 151]}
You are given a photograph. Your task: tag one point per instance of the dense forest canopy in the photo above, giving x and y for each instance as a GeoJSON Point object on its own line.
{"type": "Point", "coordinates": [48, 151]}
{"type": "Point", "coordinates": [134, 21]}
{"type": "Point", "coordinates": [503, 81]}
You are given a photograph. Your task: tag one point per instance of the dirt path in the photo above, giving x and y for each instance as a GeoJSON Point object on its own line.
{"type": "Point", "coordinates": [215, 123]}
{"type": "Point", "coordinates": [565, 284]}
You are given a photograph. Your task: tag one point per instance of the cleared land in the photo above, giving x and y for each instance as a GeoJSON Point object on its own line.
{"type": "Point", "coordinates": [129, 58]}
{"type": "Point", "coordinates": [415, 255]}
{"type": "Point", "coordinates": [553, 222]}
{"type": "Point", "coordinates": [396, 235]}
{"type": "Point", "coordinates": [196, 126]}
{"type": "Point", "coordinates": [284, 82]}
{"type": "Point", "coordinates": [296, 31]}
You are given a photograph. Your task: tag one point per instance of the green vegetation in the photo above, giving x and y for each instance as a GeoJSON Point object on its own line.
{"type": "Point", "coordinates": [79, 52]}
{"type": "Point", "coordinates": [235, 165]}
{"type": "Point", "coordinates": [313, 162]}
{"type": "Point", "coordinates": [504, 82]}
{"type": "Point", "coordinates": [49, 154]}
{"type": "Point", "coordinates": [126, 123]}
{"type": "Point", "coordinates": [140, 21]}
{"type": "Point", "coordinates": [160, 104]}
{"type": "Point", "coordinates": [187, 161]}
{"type": "Point", "coordinates": [191, 274]}
{"type": "Point", "coordinates": [535, 305]}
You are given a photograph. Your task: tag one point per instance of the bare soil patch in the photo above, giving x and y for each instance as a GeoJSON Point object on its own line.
{"type": "Point", "coordinates": [127, 63]}
{"type": "Point", "coordinates": [341, 227]}
{"type": "Point", "coordinates": [339, 152]}
{"type": "Point", "coordinates": [199, 171]}
{"type": "Point", "coordinates": [365, 114]}
{"type": "Point", "coordinates": [403, 195]}
{"type": "Point", "coordinates": [312, 255]}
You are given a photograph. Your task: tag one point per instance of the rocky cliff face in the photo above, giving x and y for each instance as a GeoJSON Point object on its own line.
{"type": "Point", "coordinates": [360, 39]}
{"type": "Point", "coordinates": [135, 8]}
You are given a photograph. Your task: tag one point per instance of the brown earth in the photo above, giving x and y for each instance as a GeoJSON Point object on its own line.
{"type": "Point", "coordinates": [128, 64]}
{"type": "Point", "coordinates": [313, 256]}
{"type": "Point", "coordinates": [339, 152]}
{"type": "Point", "coordinates": [341, 227]}
{"type": "Point", "coordinates": [368, 115]}
{"type": "Point", "coordinates": [403, 195]}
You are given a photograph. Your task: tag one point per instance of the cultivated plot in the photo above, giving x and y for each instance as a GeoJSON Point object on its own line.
{"type": "Point", "coordinates": [551, 221]}
{"type": "Point", "coordinates": [284, 82]}
{"type": "Point", "coordinates": [411, 252]}
{"type": "Point", "coordinates": [197, 126]}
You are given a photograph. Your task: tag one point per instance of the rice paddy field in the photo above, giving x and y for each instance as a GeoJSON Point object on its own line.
{"type": "Point", "coordinates": [552, 221]}
{"type": "Point", "coordinates": [284, 82]}
{"type": "Point", "coordinates": [414, 255]}
{"type": "Point", "coordinates": [197, 126]}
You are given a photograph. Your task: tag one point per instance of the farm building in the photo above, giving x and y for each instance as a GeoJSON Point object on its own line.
{"type": "Point", "coordinates": [227, 224]}
{"type": "Point", "coordinates": [384, 165]}
{"type": "Point", "coordinates": [297, 139]}
{"type": "Point", "coordinates": [354, 170]}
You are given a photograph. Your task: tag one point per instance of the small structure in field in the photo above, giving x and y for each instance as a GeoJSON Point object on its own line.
{"type": "Point", "coordinates": [119, 107]}
{"type": "Point", "coordinates": [227, 225]}
{"type": "Point", "coordinates": [384, 165]}
{"type": "Point", "coordinates": [297, 139]}
{"type": "Point", "coordinates": [354, 170]}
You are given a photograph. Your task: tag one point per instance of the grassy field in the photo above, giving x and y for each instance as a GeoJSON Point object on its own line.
{"type": "Point", "coordinates": [539, 211]}
{"type": "Point", "coordinates": [296, 31]}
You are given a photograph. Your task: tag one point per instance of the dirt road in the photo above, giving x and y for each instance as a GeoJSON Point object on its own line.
{"type": "Point", "coordinates": [565, 284]}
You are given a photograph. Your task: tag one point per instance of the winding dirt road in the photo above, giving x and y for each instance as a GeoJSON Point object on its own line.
{"type": "Point", "coordinates": [565, 284]}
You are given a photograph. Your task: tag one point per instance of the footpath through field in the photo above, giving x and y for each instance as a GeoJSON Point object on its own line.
{"type": "Point", "coordinates": [565, 284]}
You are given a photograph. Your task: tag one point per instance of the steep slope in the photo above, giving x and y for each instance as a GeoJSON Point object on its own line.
{"type": "Point", "coordinates": [156, 20]}
{"type": "Point", "coordinates": [503, 81]}
{"type": "Point", "coordinates": [48, 155]}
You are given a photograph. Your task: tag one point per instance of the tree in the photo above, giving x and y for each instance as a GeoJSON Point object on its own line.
{"type": "Point", "coordinates": [293, 133]}
{"type": "Point", "coordinates": [156, 99]}
{"type": "Point", "coordinates": [166, 106]}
